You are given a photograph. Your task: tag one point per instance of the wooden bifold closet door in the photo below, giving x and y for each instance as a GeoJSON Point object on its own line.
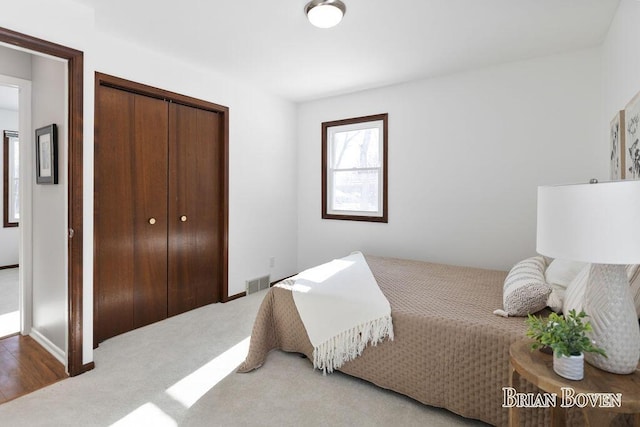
{"type": "Point", "coordinates": [158, 218]}
{"type": "Point", "coordinates": [194, 218]}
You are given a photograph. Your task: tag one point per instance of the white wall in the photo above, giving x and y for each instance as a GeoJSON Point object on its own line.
{"type": "Point", "coordinates": [48, 203]}
{"type": "Point", "coordinates": [262, 191]}
{"type": "Point", "coordinates": [73, 26]}
{"type": "Point", "coordinates": [49, 208]}
{"type": "Point", "coordinates": [15, 64]}
{"type": "Point", "coordinates": [466, 153]}
{"type": "Point", "coordinates": [620, 61]}
{"type": "Point", "coordinates": [9, 236]}
{"type": "Point", "coordinates": [262, 138]}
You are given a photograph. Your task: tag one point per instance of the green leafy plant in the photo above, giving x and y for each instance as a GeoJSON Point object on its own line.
{"type": "Point", "coordinates": [566, 335]}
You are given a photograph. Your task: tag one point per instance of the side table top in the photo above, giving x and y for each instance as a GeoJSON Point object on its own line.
{"type": "Point", "coordinates": [537, 368]}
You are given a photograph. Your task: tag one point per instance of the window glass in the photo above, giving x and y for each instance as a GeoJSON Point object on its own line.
{"type": "Point", "coordinates": [354, 171]}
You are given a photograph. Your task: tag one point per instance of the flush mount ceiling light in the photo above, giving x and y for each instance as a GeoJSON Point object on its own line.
{"type": "Point", "coordinates": [325, 13]}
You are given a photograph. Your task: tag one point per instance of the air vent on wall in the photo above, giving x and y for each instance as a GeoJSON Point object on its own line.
{"type": "Point", "coordinates": [258, 284]}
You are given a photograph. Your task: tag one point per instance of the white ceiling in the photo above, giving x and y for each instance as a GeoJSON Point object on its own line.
{"type": "Point", "coordinates": [379, 42]}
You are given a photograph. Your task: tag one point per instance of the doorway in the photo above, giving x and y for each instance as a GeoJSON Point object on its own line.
{"type": "Point", "coordinates": [75, 70]}
{"type": "Point", "coordinates": [9, 233]}
{"type": "Point", "coordinates": [26, 361]}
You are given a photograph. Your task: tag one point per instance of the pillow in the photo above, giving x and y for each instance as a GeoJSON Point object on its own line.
{"type": "Point", "coordinates": [556, 297]}
{"type": "Point", "coordinates": [574, 297]}
{"type": "Point", "coordinates": [525, 290]}
{"type": "Point", "coordinates": [633, 272]}
{"type": "Point", "coordinates": [559, 275]}
{"type": "Point", "coordinates": [561, 272]}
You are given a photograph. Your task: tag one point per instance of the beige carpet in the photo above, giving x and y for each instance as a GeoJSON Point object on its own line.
{"type": "Point", "coordinates": [179, 372]}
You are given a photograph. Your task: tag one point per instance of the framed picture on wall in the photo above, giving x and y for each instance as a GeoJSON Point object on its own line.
{"type": "Point", "coordinates": [616, 146]}
{"type": "Point", "coordinates": [632, 138]}
{"type": "Point", "coordinates": [47, 155]}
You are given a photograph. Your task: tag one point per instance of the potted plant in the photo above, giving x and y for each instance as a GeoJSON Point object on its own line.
{"type": "Point", "coordinates": [565, 335]}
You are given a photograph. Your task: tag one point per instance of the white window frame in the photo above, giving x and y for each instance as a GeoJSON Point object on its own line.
{"type": "Point", "coordinates": [10, 143]}
{"type": "Point", "coordinates": [329, 129]}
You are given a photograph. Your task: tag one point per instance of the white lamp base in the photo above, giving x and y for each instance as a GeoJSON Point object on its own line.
{"type": "Point", "coordinates": [612, 314]}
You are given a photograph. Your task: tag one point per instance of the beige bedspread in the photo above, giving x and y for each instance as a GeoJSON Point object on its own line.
{"type": "Point", "coordinates": [449, 350]}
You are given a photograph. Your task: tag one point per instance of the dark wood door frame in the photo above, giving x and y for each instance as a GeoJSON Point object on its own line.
{"type": "Point", "coordinates": [75, 61]}
{"type": "Point", "coordinates": [141, 89]}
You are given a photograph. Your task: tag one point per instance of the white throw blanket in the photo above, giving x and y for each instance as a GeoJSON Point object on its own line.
{"type": "Point", "coordinates": [342, 309]}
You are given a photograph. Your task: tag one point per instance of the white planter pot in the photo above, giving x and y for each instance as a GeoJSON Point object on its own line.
{"type": "Point", "coordinates": [571, 367]}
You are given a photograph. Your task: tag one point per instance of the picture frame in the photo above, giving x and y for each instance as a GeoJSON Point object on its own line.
{"type": "Point", "coordinates": [632, 138]}
{"type": "Point", "coordinates": [617, 146]}
{"type": "Point", "coordinates": [47, 155]}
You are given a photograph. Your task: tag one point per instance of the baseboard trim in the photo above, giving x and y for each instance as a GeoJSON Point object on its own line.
{"type": "Point", "coordinates": [9, 336]}
{"type": "Point", "coordinates": [5, 267]}
{"type": "Point", "coordinates": [86, 367]}
{"type": "Point", "coordinates": [243, 294]}
{"type": "Point", "coordinates": [236, 296]}
{"type": "Point", "coordinates": [48, 345]}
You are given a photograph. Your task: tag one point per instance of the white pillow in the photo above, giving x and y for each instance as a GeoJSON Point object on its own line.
{"type": "Point", "coordinates": [633, 273]}
{"type": "Point", "coordinates": [574, 297]}
{"type": "Point", "coordinates": [561, 272]}
{"type": "Point", "coordinates": [559, 275]}
{"type": "Point", "coordinates": [525, 290]}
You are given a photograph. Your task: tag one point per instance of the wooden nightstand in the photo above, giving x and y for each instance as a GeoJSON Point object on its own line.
{"type": "Point", "coordinates": [537, 368]}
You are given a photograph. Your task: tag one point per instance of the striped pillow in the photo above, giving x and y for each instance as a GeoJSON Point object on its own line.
{"type": "Point", "coordinates": [574, 299]}
{"type": "Point", "coordinates": [525, 290]}
{"type": "Point", "coordinates": [633, 272]}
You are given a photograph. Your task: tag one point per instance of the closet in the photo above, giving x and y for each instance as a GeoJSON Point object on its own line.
{"type": "Point", "coordinates": [160, 205]}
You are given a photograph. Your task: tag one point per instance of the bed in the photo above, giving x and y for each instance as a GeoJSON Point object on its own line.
{"type": "Point", "coordinates": [449, 350]}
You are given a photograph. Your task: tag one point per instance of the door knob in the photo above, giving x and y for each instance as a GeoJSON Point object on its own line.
{"type": "Point", "coordinates": [183, 218]}
{"type": "Point", "coordinates": [152, 221]}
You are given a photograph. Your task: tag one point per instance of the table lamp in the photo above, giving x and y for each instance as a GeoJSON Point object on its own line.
{"type": "Point", "coordinates": [598, 223]}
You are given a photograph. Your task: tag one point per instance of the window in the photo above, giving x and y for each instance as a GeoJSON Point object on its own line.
{"type": "Point", "coordinates": [354, 169]}
{"type": "Point", "coordinates": [11, 201]}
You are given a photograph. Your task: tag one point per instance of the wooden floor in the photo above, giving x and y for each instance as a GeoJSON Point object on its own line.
{"type": "Point", "coordinates": [25, 367]}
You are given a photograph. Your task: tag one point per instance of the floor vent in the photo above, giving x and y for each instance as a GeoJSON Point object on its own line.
{"type": "Point", "coordinates": [258, 284]}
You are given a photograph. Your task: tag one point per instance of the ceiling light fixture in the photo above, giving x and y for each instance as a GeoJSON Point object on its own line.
{"type": "Point", "coordinates": [325, 13]}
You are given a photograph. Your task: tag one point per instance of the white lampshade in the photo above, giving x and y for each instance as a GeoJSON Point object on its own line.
{"type": "Point", "coordinates": [325, 13]}
{"type": "Point", "coordinates": [596, 223]}
{"type": "Point", "coordinates": [599, 224]}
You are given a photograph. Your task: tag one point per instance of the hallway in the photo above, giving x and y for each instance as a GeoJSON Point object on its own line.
{"type": "Point", "coordinates": [25, 367]}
